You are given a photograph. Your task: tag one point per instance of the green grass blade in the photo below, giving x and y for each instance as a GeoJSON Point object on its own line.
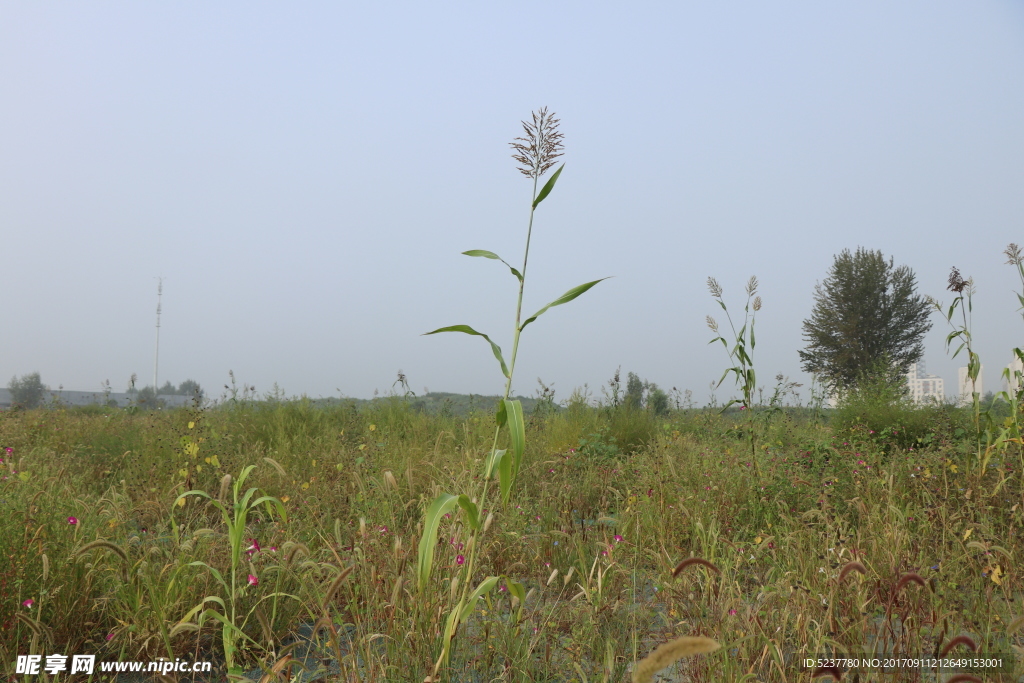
{"type": "Point", "coordinates": [564, 299]}
{"type": "Point", "coordinates": [425, 560]}
{"type": "Point", "coordinates": [466, 329]}
{"type": "Point", "coordinates": [548, 186]}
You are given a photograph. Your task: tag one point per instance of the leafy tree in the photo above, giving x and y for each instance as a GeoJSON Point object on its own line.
{"type": "Point", "coordinates": [634, 391]}
{"type": "Point", "coordinates": [146, 398]}
{"type": "Point", "coordinates": [27, 392]}
{"type": "Point", "coordinates": [865, 311]}
{"type": "Point", "coordinates": [191, 388]}
{"type": "Point", "coordinates": [657, 399]}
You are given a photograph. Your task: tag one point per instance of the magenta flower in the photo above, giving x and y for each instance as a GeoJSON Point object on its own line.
{"type": "Point", "coordinates": [110, 636]}
{"type": "Point", "coordinates": [254, 548]}
{"type": "Point", "coordinates": [732, 613]}
{"type": "Point", "coordinates": [460, 560]}
{"type": "Point", "coordinates": [253, 581]}
{"type": "Point", "coordinates": [28, 603]}
{"type": "Point", "coordinates": [72, 521]}
{"type": "Point", "coordinates": [618, 539]}
{"type": "Point", "coordinates": [8, 450]}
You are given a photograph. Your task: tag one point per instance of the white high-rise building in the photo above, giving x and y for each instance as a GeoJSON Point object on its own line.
{"type": "Point", "coordinates": [924, 387]}
{"type": "Point", "coordinates": [1015, 367]}
{"type": "Point", "coordinates": [964, 389]}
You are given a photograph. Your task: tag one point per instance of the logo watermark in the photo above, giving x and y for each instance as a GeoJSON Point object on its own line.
{"type": "Point", "coordinates": [33, 665]}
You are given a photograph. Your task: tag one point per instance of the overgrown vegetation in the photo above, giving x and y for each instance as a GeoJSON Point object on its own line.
{"type": "Point", "coordinates": [591, 533]}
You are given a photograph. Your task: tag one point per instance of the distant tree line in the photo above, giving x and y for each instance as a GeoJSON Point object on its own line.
{"type": "Point", "coordinates": [28, 391]}
{"type": "Point", "coordinates": [146, 397]}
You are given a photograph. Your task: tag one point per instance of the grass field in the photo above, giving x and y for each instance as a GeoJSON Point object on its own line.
{"type": "Point", "coordinates": [830, 533]}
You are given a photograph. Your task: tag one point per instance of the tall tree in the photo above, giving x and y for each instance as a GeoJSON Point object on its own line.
{"type": "Point", "coordinates": [27, 392]}
{"type": "Point", "coordinates": [866, 312]}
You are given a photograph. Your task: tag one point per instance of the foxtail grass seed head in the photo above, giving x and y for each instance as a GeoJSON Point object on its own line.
{"type": "Point", "coordinates": [225, 486]}
{"type": "Point", "coordinates": [908, 579]}
{"type": "Point", "coordinates": [487, 522]}
{"type": "Point", "coordinates": [554, 575]}
{"type": "Point", "coordinates": [541, 146]}
{"type": "Point", "coordinates": [757, 303]}
{"type": "Point", "coordinates": [714, 288]}
{"type": "Point", "coordinates": [959, 640]}
{"type": "Point", "coordinates": [332, 590]}
{"type": "Point", "coordinates": [823, 671]}
{"type": "Point", "coordinates": [712, 324]}
{"type": "Point", "coordinates": [692, 561]}
{"type": "Point", "coordinates": [390, 479]}
{"type": "Point", "coordinates": [669, 653]}
{"type": "Point", "coordinates": [851, 567]}
{"type": "Point", "coordinates": [752, 286]}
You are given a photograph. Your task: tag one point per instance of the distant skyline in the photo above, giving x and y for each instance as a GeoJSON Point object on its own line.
{"type": "Point", "coordinates": [304, 179]}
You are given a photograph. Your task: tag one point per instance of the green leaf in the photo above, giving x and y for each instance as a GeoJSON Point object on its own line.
{"type": "Point", "coordinates": [216, 574]}
{"type": "Point", "coordinates": [484, 253]}
{"type": "Point", "coordinates": [501, 417]}
{"type": "Point", "coordinates": [466, 329]}
{"type": "Point", "coordinates": [491, 255]}
{"type": "Point", "coordinates": [425, 560]}
{"type": "Point", "coordinates": [517, 430]}
{"type": "Point", "coordinates": [516, 590]}
{"type": "Point", "coordinates": [564, 299]}
{"type": "Point", "coordinates": [470, 508]}
{"type": "Point", "coordinates": [548, 186]}
{"type": "Point", "coordinates": [493, 461]}
{"type": "Point", "coordinates": [485, 586]}
{"type": "Point", "coordinates": [508, 467]}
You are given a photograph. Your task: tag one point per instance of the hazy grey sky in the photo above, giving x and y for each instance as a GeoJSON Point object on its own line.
{"type": "Point", "coordinates": [305, 176]}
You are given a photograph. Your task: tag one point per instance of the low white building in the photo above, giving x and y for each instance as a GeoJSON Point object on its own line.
{"type": "Point", "coordinates": [964, 388]}
{"type": "Point", "coordinates": [925, 388]}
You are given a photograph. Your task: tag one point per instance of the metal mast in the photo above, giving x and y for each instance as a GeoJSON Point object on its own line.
{"type": "Point", "coordinates": [156, 359]}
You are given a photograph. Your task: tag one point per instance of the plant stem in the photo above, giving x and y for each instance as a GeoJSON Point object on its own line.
{"type": "Point", "coordinates": [471, 564]}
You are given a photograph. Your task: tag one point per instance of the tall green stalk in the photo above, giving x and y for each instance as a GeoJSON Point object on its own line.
{"type": "Point", "coordinates": [536, 152]}
{"type": "Point", "coordinates": [741, 353]}
{"type": "Point", "coordinates": [964, 290]}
